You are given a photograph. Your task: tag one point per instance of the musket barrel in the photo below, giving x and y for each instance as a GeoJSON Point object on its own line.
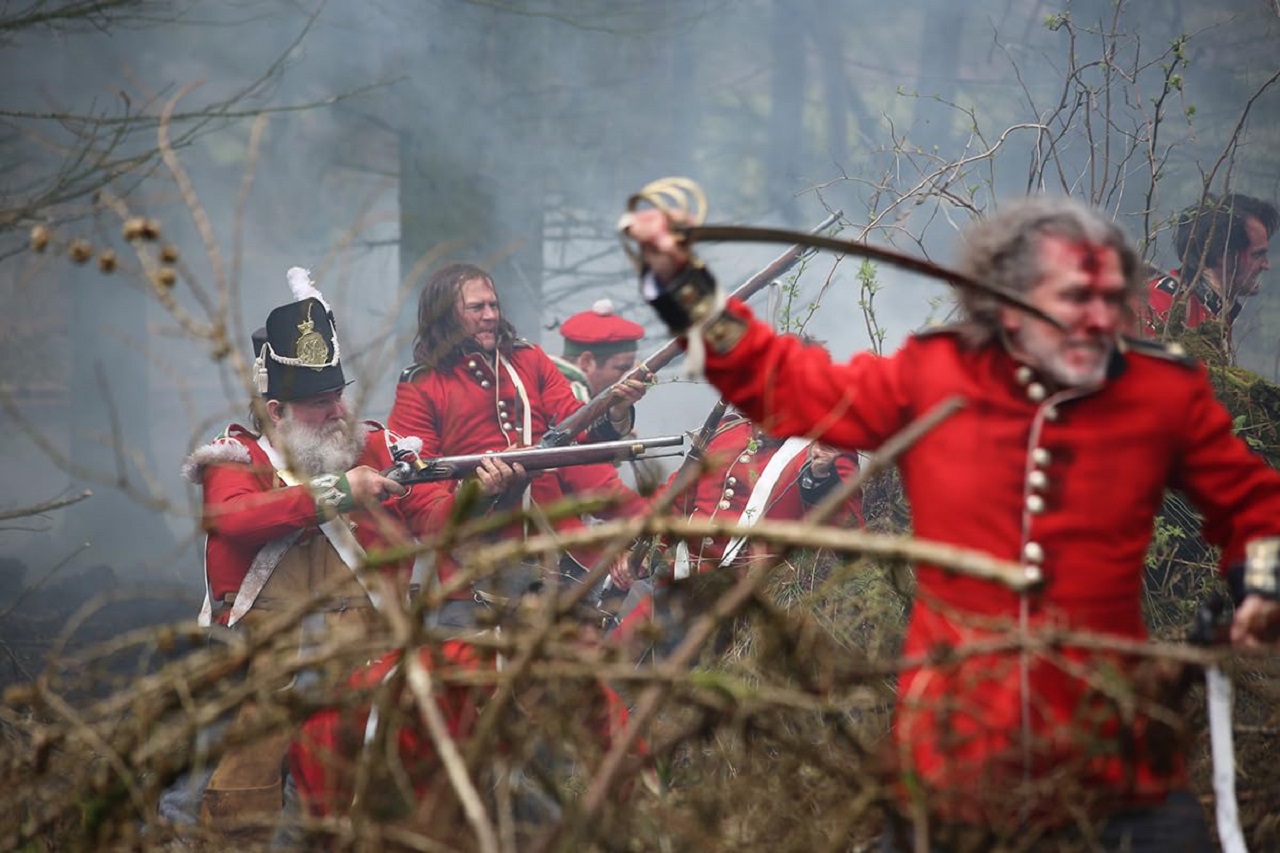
{"type": "Point", "coordinates": [536, 458]}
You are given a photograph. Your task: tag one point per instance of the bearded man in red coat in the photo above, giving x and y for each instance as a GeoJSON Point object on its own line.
{"type": "Point", "coordinates": [1011, 716]}
{"type": "Point", "coordinates": [294, 509]}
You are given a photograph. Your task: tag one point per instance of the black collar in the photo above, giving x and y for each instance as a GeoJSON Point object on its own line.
{"type": "Point", "coordinates": [1212, 301]}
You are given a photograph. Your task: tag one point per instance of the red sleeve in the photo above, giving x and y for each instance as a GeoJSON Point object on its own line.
{"type": "Point", "coordinates": [328, 745]}
{"type": "Point", "coordinates": [313, 759]}
{"type": "Point", "coordinates": [612, 721]}
{"type": "Point", "coordinates": [1238, 493]}
{"type": "Point", "coordinates": [792, 389]}
{"type": "Point", "coordinates": [1155, 313]}
{"type": "Point", "coordinates": [1158, 301]}
{"type": "Point", "coordinates": [240, 506]}
{"type": "Point", "coordinates": [612, 725]}
{"type": "Point", "coordinates": [428, 506]}
{"type": "Point", "coordinates": [413, 414]}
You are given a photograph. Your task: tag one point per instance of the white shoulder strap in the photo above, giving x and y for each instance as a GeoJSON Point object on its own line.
{"type": "Point", "coordinates": [758, 502]}
{"type": "Point", "coordinates": [526, 427]}
{"type": "Point", "coordinates": [335, 530]}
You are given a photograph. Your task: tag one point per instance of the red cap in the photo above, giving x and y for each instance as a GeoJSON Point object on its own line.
{"type": "Point", "coordinates": [599, 328]}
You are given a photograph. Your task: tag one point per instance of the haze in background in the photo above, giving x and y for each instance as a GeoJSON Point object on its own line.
{"type": "Point", "coordinates": [407, 133]}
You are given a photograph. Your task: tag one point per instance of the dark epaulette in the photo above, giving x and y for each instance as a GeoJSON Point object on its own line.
{"type": "Point", "coordinates": [933, 330]}
{"type": "Point", "coordinates": [1168, 284]}
{"type": "Point", "coordinates": [1171, 351]}
{"type": "Point", "coordinates": [522, 343]}
{"type": "Point", "coordinates": [412, 372]}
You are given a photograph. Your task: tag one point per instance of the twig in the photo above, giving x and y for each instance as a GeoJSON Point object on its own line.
{"type": "Point", "coordinates": [47, 506]}
{"type": "Point", "coordinates": [189, 197]}
{"type": "Point", "coordinates": [651, 700]}
{"type": "Point", "coordinates": [792, 534]}
{"type": "Point", "coordinates": [419, 682]}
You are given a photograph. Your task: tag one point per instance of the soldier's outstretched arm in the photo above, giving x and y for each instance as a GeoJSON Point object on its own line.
{"type": "Point", "coordinates": [776, 380]}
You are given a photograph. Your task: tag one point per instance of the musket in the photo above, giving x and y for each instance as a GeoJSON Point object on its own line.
{"type": "Point", "coordinates": [411, 472]}
{"type": "Point", "coordinates": [698, 449]}
{"type": "Point", "coordinates": [594, 409]}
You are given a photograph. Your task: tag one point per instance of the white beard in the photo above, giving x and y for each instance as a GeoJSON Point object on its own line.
{"type": "Point", "coordinates": [313, 452]}
{"type": "Point", "coordinates": [1048, 353]}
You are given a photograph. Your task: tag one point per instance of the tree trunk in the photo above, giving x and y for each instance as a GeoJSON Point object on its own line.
{"type": "Point", "coordinates": [786, 112]}
{"type": "Point", "coordinates": [460, 198]}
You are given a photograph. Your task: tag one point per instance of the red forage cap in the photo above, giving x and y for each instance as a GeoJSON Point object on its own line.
{"type": "Point", "coordinates": [600, 327]}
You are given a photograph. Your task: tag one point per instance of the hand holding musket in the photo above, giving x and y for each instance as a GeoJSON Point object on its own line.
{"type": "Point", "coordinates": [411, 472]}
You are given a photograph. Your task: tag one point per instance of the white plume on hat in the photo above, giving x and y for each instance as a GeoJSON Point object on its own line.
{"type": "Point", "coordinates": [303, 287]}
{"type": "Point", "coordinates": [603, 307]}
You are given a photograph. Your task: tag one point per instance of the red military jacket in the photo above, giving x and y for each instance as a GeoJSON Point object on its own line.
{"type": "Point", "coordinates": [323, 757]}
{"type": "Point", "coordinates": [247, 505]}
{"type": "Point", "coordinates": [737, 460]}
{"type": "Point", "coordinates": [471, 408]}
{"type": "Point", "coordinates": [1069, 481]}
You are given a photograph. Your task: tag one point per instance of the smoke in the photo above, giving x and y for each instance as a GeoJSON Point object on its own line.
{"type": "Point", "coordinates": [510, 135]}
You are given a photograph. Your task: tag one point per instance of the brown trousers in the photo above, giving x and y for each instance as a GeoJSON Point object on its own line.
{"type": "Point", "coordinates": [244, 792]}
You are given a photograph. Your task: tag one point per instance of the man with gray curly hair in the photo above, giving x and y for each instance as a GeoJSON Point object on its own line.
{"type": "Point", "coordinates": [1021, 714]}
{"type": "Point", "coordinates": [1006, 251]}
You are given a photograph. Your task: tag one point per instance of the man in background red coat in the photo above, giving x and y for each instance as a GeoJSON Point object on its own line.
{"type": "Point", "coordinates": [1068, 437]}
{"type": "Point", "coordinates": [599, 349]}
{"type": "Point", "coordinates": [1223, 246]}
{"type": "Point", "coordinates": [750, 476]}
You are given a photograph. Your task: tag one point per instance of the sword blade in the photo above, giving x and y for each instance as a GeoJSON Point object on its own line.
{"type": "Point", "coordinates": [1218, 691]}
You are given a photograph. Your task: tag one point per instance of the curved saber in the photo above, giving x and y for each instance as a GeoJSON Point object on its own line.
{"type": "Point", "coordinates": [751, 234]}
{"type": "Point", "coordinates": [594, 408]}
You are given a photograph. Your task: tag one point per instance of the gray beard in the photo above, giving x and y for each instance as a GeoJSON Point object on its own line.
{"type": "Point", "coordinates": [312, 452]}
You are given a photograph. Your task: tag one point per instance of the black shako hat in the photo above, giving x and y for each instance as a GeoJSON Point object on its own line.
{"type": "Point", "coordinates": [297, 352]}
